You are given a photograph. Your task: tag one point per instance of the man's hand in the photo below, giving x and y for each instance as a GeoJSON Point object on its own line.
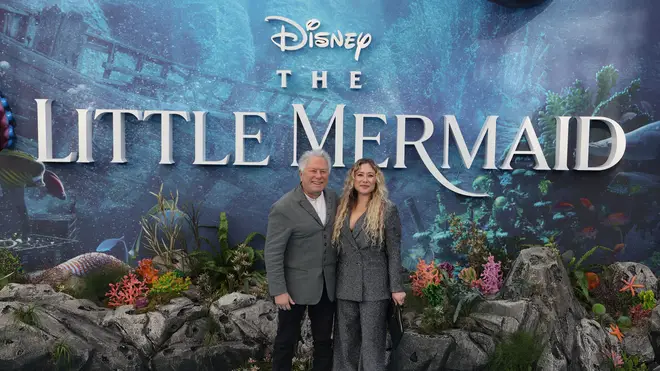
{"type": "Point", "coordinates": [283, 301]}
{"type": "Point", "coordinates": [399, 297]}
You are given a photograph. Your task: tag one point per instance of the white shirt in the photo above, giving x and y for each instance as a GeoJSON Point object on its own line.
{"type": "Point", "coordinates": [319, 205]}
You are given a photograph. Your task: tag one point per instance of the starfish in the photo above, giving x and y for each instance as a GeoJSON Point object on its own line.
{"type": "Point", "coordinates": [630, 285]}
{"type": "Point", "coordinates": [616, 332]}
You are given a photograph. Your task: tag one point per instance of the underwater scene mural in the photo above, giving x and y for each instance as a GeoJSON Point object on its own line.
{"type": "Point", "coordinates": [181, 244]}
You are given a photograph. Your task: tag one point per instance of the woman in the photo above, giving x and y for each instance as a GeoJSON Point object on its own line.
{"type": "Point", "coordinates": [367, 234]}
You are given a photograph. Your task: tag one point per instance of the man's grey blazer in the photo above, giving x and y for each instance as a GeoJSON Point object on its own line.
{"type": "Point", "coordinates": [298, 252]}
{"type": "Point", "coordinates": [365, 271]}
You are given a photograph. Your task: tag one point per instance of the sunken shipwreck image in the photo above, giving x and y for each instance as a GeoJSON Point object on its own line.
{"type": "Point", "coordinates": [148, 266]}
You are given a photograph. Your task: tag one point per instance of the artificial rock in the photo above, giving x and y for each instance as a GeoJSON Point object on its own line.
{"type": "Point", "coordinates": [536, 296]}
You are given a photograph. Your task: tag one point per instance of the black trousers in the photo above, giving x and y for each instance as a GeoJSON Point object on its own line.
{"type": "Point", "coordinates": [321, 316]}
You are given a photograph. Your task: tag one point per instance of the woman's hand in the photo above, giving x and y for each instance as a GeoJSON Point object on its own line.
{"type": "Point", "coordinates": [399, 297]}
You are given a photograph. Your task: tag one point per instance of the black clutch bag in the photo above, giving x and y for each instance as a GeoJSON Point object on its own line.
{"type": "Point", "coordinates": [395, 323]}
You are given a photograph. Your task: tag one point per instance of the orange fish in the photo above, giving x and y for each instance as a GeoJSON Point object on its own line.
{"type": "Point", "coordinates": [589, 232]}
{"type": "Point", "coordinates": [616, 219]}
{"type": "Point", "coordinates": [592, 280]}
{"type": "Point", "coordinates": [586, 203]}
{"type": "Point", "coordinates": [619, 247]}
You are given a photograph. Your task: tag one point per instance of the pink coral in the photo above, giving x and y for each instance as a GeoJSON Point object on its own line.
{"type": "Point", "coordinates": [492, 277]}
{"type": "Point", "coordinates": [127, 291]}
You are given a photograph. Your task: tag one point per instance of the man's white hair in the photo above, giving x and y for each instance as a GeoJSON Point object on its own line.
{"type": "Point", "coordinates": [302, 163]}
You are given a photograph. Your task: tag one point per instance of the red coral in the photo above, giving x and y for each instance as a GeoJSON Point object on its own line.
{"type": "Point", "coordinates": [638, 314]}
{"type": "Point", "coordinates": [127, 291]}
{"type": "Point", "coordinates": [424, 275]}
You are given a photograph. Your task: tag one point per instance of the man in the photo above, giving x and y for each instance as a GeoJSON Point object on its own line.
{"type": "Point", "coordinates": [300, 262]}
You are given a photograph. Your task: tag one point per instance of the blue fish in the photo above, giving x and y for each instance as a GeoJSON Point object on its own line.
{"type": "Point", "coordinates": [110, 243]}
{"type": "Point", "coordinates": [642, 144]}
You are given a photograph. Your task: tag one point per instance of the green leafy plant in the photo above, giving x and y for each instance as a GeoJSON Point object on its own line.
{"type": "Point", "coordinates": [631, 363]}
{"type": "Point", "coordinates": [162, 226]}
{"type": "Point", "coordinates": [647, 299]}
{"type": "Point", "coordinates": [436, 294]}
{"type": "Point", "coordinates": [10, 267]}
{"type": "Point", "coordinates": [578, 276]}
{"type": "Point", "coordinates": [519, 351]}
{"type": "Point", "coordinates": [61, 355]}
{"type": "Point", "coordinates": [233, 269]}
{"type": "Point", "coordinates": [27, 315]}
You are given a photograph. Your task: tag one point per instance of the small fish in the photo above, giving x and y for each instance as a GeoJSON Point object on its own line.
{"type": "Point", "coordinates": [616, 219]}
{"type": "Point", "coordinates": [110, 243]}
{"type": "Point", "coordinates": [586, 203]}
{"type": "Point", "coordinates": [54, 186]}
{"type": "Point", "coordinates": [563, 206]}
{"type": "Point", "coordinates": [619, 247]}
{"type": "Point", "coordinates": [589, 232]}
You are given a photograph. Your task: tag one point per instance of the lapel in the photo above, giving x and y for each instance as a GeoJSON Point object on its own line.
{"type": "Point", "coordinates": [348, 234]}
{"type": "Point", "coordinates": [304, 202]}
{"type": "Point", "coordinates": [330, 209]}
{"type": "Point", "coordinates": [357, 230]}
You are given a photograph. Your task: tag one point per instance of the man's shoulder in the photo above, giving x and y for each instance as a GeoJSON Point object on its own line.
{"type": "Point", "coordinates": [285, 200]}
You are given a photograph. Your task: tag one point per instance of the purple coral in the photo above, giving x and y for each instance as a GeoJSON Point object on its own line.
{"type": "Point", "coordinates": [141, 302]}
{"type": "Point", "coordinates": [491, 277]}
{"type": "Point", "coordinates": [447, 267]}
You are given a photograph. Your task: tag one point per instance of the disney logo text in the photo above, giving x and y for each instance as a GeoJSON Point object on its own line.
{"type": "Point", "coordinates": [349, 40]}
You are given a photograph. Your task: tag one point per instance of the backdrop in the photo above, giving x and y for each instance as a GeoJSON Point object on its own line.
{"type": "Point", "coordinates": [470, 59]}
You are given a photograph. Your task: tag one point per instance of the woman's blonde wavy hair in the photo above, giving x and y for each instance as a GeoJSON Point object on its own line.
{"type": "Point", "coordinates": [378, 203]}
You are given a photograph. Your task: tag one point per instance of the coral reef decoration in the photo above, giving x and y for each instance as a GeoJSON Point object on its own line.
{"type": "Point", "coordinates": [630, 285]}
{"type": "Point", "coordinates": [468, 276]}
{"type": "Point", "coordinates": [424, 275]}
{"type": "Point", "coordinates": [638, 314]}
{"type": "Point", "coordinates": [127, 291]}
{"type": "Point", "coordinates": [616, 332]}
{"type": "Point", "coordinates": [7, 125]}
{"type": "Point", "coordinates": [593, 281]}
{"type": "Point", "coordinates": [648, 299]}
{"type": "Point", "coordinates": [169, 283]}
{"type": "Point", "coordinates": [492, 277]}
{"type": "Point", "coordinates": [147, 271]}
{"type": "Point", "coordinates": [616, 359]}
{"type": "Point", "coordinates": [447, 267]}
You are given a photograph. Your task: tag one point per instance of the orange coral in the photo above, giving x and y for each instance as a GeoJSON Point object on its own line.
{"type": "Point", "coordinates": [127, 291]}
{"type": "Point", "coordinates": [424, 275]}
{"type": "Point", "coordinates": [147, 271]}
{"type": "Point", "coordinates": [593, 280]}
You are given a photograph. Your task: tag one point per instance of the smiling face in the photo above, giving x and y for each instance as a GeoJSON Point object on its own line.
{"type": "Point", "coordinates": [365, 179]}
{"type": "Point", "coordinates": [314, 177]}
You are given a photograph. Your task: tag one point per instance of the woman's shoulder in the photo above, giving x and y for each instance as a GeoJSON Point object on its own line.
{"type": "Point", "coordinates": [390, 208]}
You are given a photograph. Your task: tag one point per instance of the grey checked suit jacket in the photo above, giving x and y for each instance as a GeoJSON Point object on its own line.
{"type": "Point", "coordinates": [368, 272]}
{"type": "Point", "coordinates": [298, 250]}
